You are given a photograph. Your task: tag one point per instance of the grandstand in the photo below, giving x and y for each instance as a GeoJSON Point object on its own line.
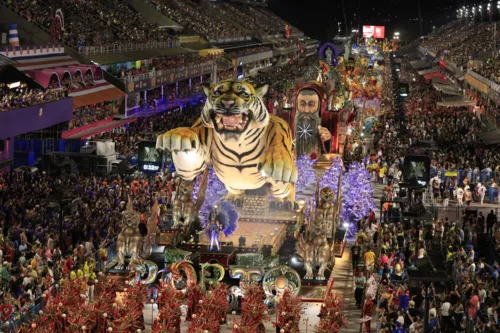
{"type": "Point", "coordinates": [110, 62]}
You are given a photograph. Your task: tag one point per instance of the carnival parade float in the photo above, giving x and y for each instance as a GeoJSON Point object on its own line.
{"type": "Point", "coordinates": [263, 209]}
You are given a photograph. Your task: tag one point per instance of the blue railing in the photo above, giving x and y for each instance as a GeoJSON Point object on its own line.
{"type": "Point", "coordinates": [474, 177]}
{"type": "Point", "coordinates": [14, 323]}
{"type": "Point", "coordinates": [482, 177]}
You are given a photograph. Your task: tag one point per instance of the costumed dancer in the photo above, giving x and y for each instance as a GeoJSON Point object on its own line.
{"type": "Point", "coordinates": [222, 219]}
{"type": "Point", "coordinates": [215, 229]}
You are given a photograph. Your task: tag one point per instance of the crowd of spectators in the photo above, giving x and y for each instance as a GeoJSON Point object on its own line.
{"type": "Point", "coordinates": [460, 42]}
{"type": "Point", "coordinates": [276, 22]}
{"type": "Point", "coordinates": [93, 22]}
{"type": "Point", "coordinates": [23, 97]}
{"type": "Point", "coordinates": [248, 51]}
{"type": "Point", "coordinates": [253, 20]}
{"type": "Point", "coordinates": [456, 145]}
{"type": "Point", "coordinates": [38, 248]}
{"type": "Point", "coordinates": [453, 129]}
{"type": "Point", "coordinates": [465, 249]}
{"type": "Point", "coordinates": [166, 63]}
{"type": "Point", "coordinates": [489, 69]}
{"type": "Point", "coordinates": [195, 18]}
{"type": "Point", "coordinates": [468, 302]}
{"type": "Point", "coordinates": [146, 128]}
{"type": "Point", "coordinates": [90, 114]}
{"type": "Point", "coordinates": [285, 43]}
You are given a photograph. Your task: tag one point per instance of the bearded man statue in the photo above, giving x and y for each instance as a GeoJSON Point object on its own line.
{"type": "Point", "coordinates": [309, 134]}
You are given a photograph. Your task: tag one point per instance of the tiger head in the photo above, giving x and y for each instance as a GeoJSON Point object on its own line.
{"type": "Point", "coordinates": [326, 194]}
{"type": "Point", "coordinates": [233, 108]}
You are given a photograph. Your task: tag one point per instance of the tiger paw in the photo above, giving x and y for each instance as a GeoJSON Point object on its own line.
{"type": "Point", "coordinates": [178, 139]}
{"type": "Point", "coordinates": [277, 163]}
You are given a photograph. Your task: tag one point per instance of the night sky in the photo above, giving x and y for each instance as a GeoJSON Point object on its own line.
{"type": "Point", "coordinates": [319, 18]}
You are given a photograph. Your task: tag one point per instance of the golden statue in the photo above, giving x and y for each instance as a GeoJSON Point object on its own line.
{"type": "Point", "coordinates": [131, 241]}
{"type": "Point", "coordinates": [312, 245]}
{"type": "Point", "coordinates": [185, 210]}
{"type": "Point", "coordinates": [324, 210]}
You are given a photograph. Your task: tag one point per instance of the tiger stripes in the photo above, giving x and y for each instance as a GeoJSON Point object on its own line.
{"type": "Point", "coordinates": [259, 154]}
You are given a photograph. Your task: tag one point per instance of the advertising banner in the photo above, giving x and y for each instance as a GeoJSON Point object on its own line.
{"type": "Point", "coordinates": [374, 31]}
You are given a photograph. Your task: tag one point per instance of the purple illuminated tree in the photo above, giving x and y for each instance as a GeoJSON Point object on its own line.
{"type": "Point", "coordinates": [356, 189]}
{"type": "Point", "coordinates": [331, 176]}
{"type": "Point", "coordinates": [307, 176]}
{"type": "Point", "coordinates": [357, 199]}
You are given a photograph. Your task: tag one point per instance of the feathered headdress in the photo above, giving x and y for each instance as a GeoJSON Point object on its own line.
{"type": "Point", "coordinates": [226, 215]}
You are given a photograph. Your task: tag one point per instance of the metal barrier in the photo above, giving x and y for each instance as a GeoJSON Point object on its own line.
{"type": "Point", "coordinates": [119, 48]}
{"type": "Point", "coordinates": [14, 323]}
{"type": "Point", "coordinates": [454, 213]}
{"type": "Point", "coordinates": [482, 177]}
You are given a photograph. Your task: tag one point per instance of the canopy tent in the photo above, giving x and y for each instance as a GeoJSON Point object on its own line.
{"type": "Point", "coordinates": [429, 76]}
{"type": "Point", "coordinates": [419, 64]}
{"type": "Point", "coordinates": [428, 71]}
{"type": "Point", "coordinates": [41, 77]}
{"type": "Point", "coordinates": [95, 95]}
{"type": "Point", "coordinates": [456, 101]}
{"type": "Point", "coordinates": [441, 81]}
{"type": "Point", "coordinates": [105, 127]}
{"type": "Point", "coordinates": [447, 89]}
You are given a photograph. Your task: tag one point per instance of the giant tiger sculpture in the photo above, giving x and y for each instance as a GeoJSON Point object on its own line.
{"type": "Point", "coordinates": [247, 146]}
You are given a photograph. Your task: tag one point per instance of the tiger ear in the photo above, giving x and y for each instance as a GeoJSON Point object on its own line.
{"type": "Point", "coordinates": [206, 88]}
{"type": "Point", "coordinates": [262, 90]}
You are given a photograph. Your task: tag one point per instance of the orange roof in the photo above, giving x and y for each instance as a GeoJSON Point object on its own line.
{"type": "Point", "coordinates": [100, 95]}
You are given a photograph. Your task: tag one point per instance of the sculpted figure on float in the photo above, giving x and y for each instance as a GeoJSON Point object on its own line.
{"type": "Point", "coordinates": [313, 245]}
{"type": "Point", "coordinates": [185, 210]}
{"type": "Point", "coordinates": [309, 134]}
{"type": "Point", "coordinates": [247, 146]}
{"type": "Point", "coordinates": [132, 240]}
{"type": "Point", "coordinates": [325, 209]}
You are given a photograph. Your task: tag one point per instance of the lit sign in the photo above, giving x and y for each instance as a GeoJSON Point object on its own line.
{"type": "Point", "coordinates": [151, 167]}
{"type": "Point", "coordinates": [373, 31]}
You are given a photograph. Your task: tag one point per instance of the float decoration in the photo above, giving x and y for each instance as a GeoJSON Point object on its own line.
{"type": "Point", "coordinates": [307, 174]}
{"type": "Point", "coordinates": [332, 315]}
{"type": "Point", "coordinates": [281, 278]}
{"type": "Point", "coordinates": [169, 314]}
{"type": "Point", "coordinates": [227, 120]}
{"type": "Point", "coordinates": [288, 312]}
{"type": "Point", "coordinates": [211, 311]}
{"type": "Point", "coordinates": [131, 240]}
{"type": "Point", "coordinates": [253, 311]}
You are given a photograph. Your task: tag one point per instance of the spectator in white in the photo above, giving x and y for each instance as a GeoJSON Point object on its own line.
{"type": "Point", "coordinates": [445, 314]}
{"type": "Point", "coordinates": [90, 290]}
{"type": "Point", "coordinates": [23, 247]}
{"type": "Point", "coordinates": [482, 295]}
{"type": "Point", "coordinates": [401, 318]}
{"type": "Point", "coordinates": [399, 174]}
{"type": "Point", "coordinates": [415, 327]}
{"type": "Point", "coordinates": [481, 191]}
{"type": "Point", "coordinates": [89, 248]}
{"type": "Point", "coordinates": [460, 196]}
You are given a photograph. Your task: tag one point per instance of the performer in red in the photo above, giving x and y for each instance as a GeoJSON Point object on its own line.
{"type": "Point", "coordinates": [367, 313]}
